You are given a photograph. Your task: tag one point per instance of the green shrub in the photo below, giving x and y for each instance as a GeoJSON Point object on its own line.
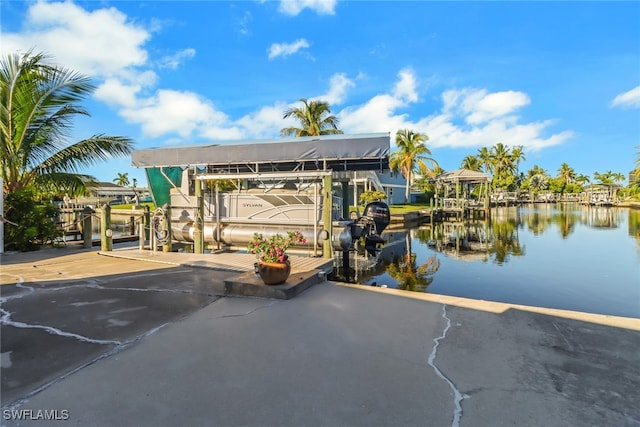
{"type": "Point", "coordinates": [29, 224]}
{"type": "Point", "coordinates": [372, 196]}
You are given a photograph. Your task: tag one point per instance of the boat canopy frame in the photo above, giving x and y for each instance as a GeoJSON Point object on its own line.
{"type": "Point", "coordinates": [285, 155]}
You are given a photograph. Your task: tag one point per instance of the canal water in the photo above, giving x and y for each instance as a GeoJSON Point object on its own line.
{"type": "Point", "coordinates": [563, 256]}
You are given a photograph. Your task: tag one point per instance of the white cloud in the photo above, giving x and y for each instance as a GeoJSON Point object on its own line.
{"type": "Point", "coordinates": [265, 122]}
{"type": "Point", "coordinates": [406, 87]}
{"type": "Point", "coordinates": [493, 105]}
{"type": "Point", "coordinates": [337, 92]}
{"type": "Point", "coordinates": [468, 118]}
{"type": "Point", "coordinates": [379, 113]}
{"type": "Point", "coordinates": [106, 45]}
{"type": "Point", "coordinates": [173, 61]}
{"type": "Point", "coordinates": [243, 23]}
{"type": "Point", "coordinates": [286, 49]}
{"type": "Point", "coordinates": [174, 112]}
{"type": "Point", "coordinates": [116, 93]}
{"type": "Point", "coordinates": [630, 99]}
{"type": "Point", "coordinates": [294, 7]}
{"type": "Point", "coordinates": [99, 43]}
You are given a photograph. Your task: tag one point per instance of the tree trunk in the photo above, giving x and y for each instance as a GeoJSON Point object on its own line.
{"type": "Point", "coordinates": [407, 188]}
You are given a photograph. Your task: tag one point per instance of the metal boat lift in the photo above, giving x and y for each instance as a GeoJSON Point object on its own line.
{"type": "Point", "coordinates": [281, 184]}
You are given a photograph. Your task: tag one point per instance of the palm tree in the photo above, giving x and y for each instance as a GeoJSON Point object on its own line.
{"type": "Point", "coordinates": [315, 119]}
{"type": "Point", "coordinates": [582, 179]}
{"type": "Point", "coordinates": [608, 178]}
{"type": "Point", "coordinates": [536, 170]}
{"type": "Point", "coordinates": [539, 182]}
{"type": "Point", "coordinates": [517, 156]}
{"type": "Point", "coordinates": [38, 103]}
{"type": "Point", "coordinates": [503, 164]}
{"type": "Point", "coordinates": [122, 179]}
{"type": "Point", "coordinates": [566, 173]}
{"type": "Point", "coordinates": [412, 151]}
{"type": "Point", "coordinates": [485, 159]}
{"type": "Point", "coordinates": [471, 162]}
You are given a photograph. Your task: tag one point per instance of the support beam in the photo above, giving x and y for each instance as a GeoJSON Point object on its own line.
{"type": "Point", "coordinates": [345, 199]}
{"type": "Point", "coordinates": [87, 239]}
{"type": "Point", "coordinates": [167, 247]}
{"type": "Point", "coordinates": [327, 204]}
{"type": "Point", "coordinates": [198, 238]}
{"type": "Point", "coordinates": [106, 234]}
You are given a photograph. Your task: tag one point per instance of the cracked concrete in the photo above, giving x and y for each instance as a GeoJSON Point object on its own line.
{"type": "Point", "coordinates": [59, 316]}
{"type": "Point", "coordinates": [457, 396]}
{"type": "Point", "coordinates": [530, 369]}
{"type": "Point", "coordinates": [334, 355]}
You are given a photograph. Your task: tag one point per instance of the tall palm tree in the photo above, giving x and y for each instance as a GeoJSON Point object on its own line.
{"type": "Point", "coordinates": [502, 160]}
{"type": "Point", "coordinates": [315, 119]}
{"type": "Point", "coordinates": [636, 171]}
{"type": "Point", "coordinates": [412, 152]}
{"type": "Point", "coordinates": [582, 179]}
{"type": "Point", "coordinates": [536, 170]}
{"type": "Point", "coordinates": [566, 173]}
{"type": "Point", "coordinates": [37, 104]}
{"type": "Point", "coordinates": [608, 177]}
{"type": "Point", "coordinates": [471, 162]}
{"type": "Point", "coordinates": [517, 156]}
{"type": "Point", "coordinates": [485, 159]}
{"type": "Point", "coordinates": [122, 179]}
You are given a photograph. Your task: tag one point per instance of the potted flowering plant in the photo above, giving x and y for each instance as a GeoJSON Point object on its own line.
{"type": "Point", "coordinates": [273, 262]}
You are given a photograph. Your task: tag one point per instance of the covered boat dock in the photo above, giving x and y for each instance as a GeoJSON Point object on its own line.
{"type": "Point", "coordinates": [462, 193]}
{"type": "Point", "coordinates": [278, 184]}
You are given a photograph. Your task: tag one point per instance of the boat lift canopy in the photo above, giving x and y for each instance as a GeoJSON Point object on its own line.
{"type": "Point", "coordinates": [332, 152]}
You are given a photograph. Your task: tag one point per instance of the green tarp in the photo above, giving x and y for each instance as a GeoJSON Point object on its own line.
{"type": "Point", "coordinates": [160, 186]}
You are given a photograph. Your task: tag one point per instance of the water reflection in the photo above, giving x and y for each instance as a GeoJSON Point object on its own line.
{"type": "Point", "coordinates": [409, 275]}
{"type": "Point", "coordinates": [634, 225]}
{"type": "Point", "coordinates": [562, 256]}
{"type": "Point", "coordinates": [495, 240]}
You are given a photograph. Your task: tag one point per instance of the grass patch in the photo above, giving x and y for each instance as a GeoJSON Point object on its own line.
{"type": "Point", "coordinates": [411, 207]}
{"type": "Point", "coordinates": [130, 206]}
{"type": "Point", "coordinates": [399, 209]}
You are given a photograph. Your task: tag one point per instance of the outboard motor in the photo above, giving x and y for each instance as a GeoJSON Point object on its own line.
{"type": "Point", "coordinates": [370, 225]}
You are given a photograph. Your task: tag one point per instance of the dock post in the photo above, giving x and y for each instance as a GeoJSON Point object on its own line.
{"type": "Point", "coordinates": [198, 241]}
{"type": "Point", "coordinates": [87, 239]}
{"type": "Point", "coordinates": [345, 200]}
{"type": "Point", "coordinates": [106, 234]}
{"type": "Point", "coordinates": [166, 247]}
{"type": "Point", "coordinates": [147, 223]}
{"type": "Point", "coordinates": [487, 204]}
{"type": "Point", "coordinates": [327, 205]}
{"type": "Point", "coordinates": [141, 236]}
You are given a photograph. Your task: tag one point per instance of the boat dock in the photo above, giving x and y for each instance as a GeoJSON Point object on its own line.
{"type": "Point", "coordinates": [305, 271]}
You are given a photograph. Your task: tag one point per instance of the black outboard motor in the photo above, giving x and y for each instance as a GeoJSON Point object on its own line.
{"type": "Point", "coordinates": [370, 225]}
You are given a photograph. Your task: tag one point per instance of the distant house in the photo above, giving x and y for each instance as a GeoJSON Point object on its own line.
{"type": "Point", "coordinates": [107, 192]}
{"type": "Point", "coordinates": [390, 183]}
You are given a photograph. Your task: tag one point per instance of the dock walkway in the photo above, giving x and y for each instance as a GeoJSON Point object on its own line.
{"type": "Point", "coordinates": [305, 271]}
{"type": "Point", "coordinates": [232, 261]}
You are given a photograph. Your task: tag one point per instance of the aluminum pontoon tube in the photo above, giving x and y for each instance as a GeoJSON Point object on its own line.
{"type": "Point", "coordinates": [236, 234]}
{"type": "Point", "coordinates": [241, 234]}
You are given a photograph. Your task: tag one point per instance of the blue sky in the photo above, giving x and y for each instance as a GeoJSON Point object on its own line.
{"type": "Point", "coordinates": [560, 78]}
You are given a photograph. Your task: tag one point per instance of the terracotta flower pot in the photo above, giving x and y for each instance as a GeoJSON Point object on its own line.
{"type": "Point", "coordinates": [274, 273]}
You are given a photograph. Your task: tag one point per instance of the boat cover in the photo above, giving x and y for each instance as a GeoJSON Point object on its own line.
{"type": "Point", "coordinates": [338, 152]}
